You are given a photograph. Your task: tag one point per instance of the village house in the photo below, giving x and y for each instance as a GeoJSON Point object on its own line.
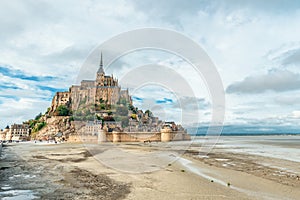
{"type": "Point", "coordinates": [19, 132]}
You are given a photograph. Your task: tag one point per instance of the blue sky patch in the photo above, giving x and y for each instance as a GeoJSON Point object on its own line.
{"type": "Point", "coordinates": [137, 98]}
{"type": "Point", "coordinates": [165, 100]}
{"type": "Point", "coordinates": [10, 97]}
{"type": "Point", "coordinates": [51, 89]}
{"type": "Point", "coordinates": [9, 87]}
{"type": "Point", "coordinates": [46, 98]}
{"type": "Point", "coordinates": [6, 71]}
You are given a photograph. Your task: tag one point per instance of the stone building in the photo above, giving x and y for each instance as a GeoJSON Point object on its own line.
{"type": "Point", "coordinates": [3, 133]}
{"type": "Point", "coordinates": [104, 89]}
{"type": "Point", "coordinates": [18, 132]}
{"type": "Point", "coordinates": [92, 128]}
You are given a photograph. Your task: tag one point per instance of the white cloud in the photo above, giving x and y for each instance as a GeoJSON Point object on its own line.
{"type": "Point", "coordinates": [296, 114]}
{"type": "Point", "coordinates": [17, 111]}
{"type": "Point", "coordinates": [244, 39]}
{"type": "Point", "coordinates": [274, 80]}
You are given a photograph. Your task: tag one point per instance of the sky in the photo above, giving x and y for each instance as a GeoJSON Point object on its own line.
{"type": "Point", "coordinates": [254, 45]}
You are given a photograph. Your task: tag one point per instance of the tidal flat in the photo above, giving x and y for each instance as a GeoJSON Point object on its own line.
{"type": "Point", "coordinates": [236, 168]}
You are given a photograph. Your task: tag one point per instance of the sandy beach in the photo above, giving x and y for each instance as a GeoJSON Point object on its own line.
{"type": "Point", "coordinates": [76, 171]}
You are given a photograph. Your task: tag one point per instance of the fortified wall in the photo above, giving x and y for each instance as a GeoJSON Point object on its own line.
{"type": "Point", "coordinates": [115, 137]}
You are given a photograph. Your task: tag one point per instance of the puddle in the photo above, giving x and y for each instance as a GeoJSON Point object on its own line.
{"type": "Point", "coordinates": [17, 195]}
{"type": "Point", "coordinates": [25, 176]}
{"type": "Point", "coordinates": [221, 159]}
{"type": "Point", "coordinates": [5, 187]}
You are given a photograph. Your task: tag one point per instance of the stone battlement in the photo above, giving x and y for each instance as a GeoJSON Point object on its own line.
{"type": "Point", "coordinates": [115, 137]}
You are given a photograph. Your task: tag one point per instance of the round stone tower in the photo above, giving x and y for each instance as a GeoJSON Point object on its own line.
{"type": "Point", "coordinates": [166, 133]}
{"type": "Point", "coordinates": [101, 136]}
{"type": "Point", "coordinates": [116, 136]}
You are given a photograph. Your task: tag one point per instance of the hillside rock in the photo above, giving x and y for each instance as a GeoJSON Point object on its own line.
{"type": "Point", "coordinates": [57, 124]}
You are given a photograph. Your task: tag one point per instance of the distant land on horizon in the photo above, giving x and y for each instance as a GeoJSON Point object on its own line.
{"type": "Point", "coordinates": [248, 130]}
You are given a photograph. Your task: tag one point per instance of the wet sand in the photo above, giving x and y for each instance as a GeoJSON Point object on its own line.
{"type": "Point", "coordinates": [31, 171]}
{"type": "Point", "coordinates": [69, 171]}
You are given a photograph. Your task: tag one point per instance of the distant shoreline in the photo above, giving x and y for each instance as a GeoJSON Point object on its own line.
{"type": "Point", "coordinates": [248, 134]}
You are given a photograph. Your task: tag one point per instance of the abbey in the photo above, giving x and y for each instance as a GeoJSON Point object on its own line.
{"type": "Point", "coordinates": [104, 89]}
{"type": "Point", "coordinates": [100, 110]}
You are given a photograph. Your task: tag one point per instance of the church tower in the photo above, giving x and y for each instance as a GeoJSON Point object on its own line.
{"type": "Point", "coordinates": [107, 89]}
{"type": "Point", "coordinates": [100, 73]}
{"type": "Point", "coordinates": [101, 70]}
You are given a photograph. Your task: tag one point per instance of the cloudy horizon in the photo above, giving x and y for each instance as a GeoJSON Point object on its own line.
{"type": "Point", "coordinates": [254, 45]}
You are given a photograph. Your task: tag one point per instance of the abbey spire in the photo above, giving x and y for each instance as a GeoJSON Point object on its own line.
{"type": "Point", "coordinates": [101, 70]}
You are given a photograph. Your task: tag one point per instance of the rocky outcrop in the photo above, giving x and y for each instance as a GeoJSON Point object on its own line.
{"type": "Point", "coordinates": [60, 98]}
{"type": "Point", "coordinates": [55, 125]}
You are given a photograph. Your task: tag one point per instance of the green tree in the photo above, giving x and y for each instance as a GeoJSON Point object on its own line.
{"type": "Point", "coordinates": [123, 119]}
{"type": "Point", "coordinates": [89, 117]}
{"type": "Point", "coordinates": [62, 110]}
{"type": "Point", "coordinates": [102, 106]}
{"type": "Point", "coordinates": [48, 110]}
{"type": "Point", "coordinates": [41, 125]}
{"type": "Point", "coordinates": [149, 113]}
{"type": "Point", "coordinates": [100, 118]}
{"type": "Point", "coordinates": [132, 108]}
{"type": "Point", "coordinates": [123, 101]}
{"type": "Point", "coordinates": [38, 116]}
{"type": "Point", "coordinates": [38, 126]}
{"type": "Point", "coordinates": [122, 111]}
{"type": "Point", "coordinates": [32, 123]}
{"type": "Point", "coordinates": [101, 100]}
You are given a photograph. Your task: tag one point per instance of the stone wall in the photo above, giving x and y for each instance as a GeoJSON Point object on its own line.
{"type": "Point", "coordinates": [131, 137]}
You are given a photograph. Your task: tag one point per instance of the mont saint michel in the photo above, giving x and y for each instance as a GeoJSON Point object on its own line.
{"type": "Point", "coordinates": [150, 100]}
{"type": "Point", "coordinates": [98, 111]}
